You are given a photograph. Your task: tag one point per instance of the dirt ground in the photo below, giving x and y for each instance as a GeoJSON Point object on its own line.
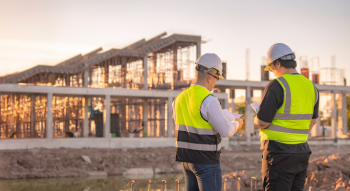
{"type": "Point", "coordinates": [329, 165]}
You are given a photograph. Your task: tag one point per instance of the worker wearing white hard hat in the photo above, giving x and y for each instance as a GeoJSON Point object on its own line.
{"type": "Point", "coordinates": [200, 124]}
{"type": "Point", "coordinates": [278, 51]}
{"type": "Point", "coordinates": [287, 113]}
{"type": "Point", "coordinates": [211, 64]}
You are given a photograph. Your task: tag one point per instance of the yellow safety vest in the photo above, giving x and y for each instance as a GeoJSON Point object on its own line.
{"type": "Point", "coordinates": [196, 140]}
{"type": "Point", "coordinates": [291, 122]}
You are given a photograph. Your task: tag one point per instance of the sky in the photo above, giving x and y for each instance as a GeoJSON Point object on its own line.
{"type": "Point", "coordinates": [48, 32]}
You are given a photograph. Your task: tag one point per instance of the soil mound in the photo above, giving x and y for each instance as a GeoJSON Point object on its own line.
{"type": "Point", "coordinates": [329, 173]}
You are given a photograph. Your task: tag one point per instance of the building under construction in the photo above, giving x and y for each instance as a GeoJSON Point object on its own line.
{"type": "Point", "coordinates": [124, 93]}
{"type": "Point", "coordinates": [161, 63]}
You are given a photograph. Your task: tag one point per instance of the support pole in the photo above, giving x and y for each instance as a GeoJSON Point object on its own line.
{"type": "Point", "coordinates": [170, 117]}
{"type": "Point", "coordinates": [145, 73]}
{"type": "Point", "coordinates": [248, 122]}
{"type": "Point", "coordinates": [342, 114]}
{"type": "Point", "coordinates": [198, 46]}
{"type": "Point", "coordinates": [123, 72]}
{"type": "Point", "coordinates": [225, 106]}
{"type": "Point", "coordinates": [86, 117]}
{"type": "Point", "coordinates": [334, 117]}
{"type": "Point", "coordinates": [175, 72]}
{"type": "Point", "coordinates": [32, 116]}
{"type": "Point", "coordinates": [316, 130]}
{"type": "Point", "coordinates": [107, 117]}
{"type": "Point", "coordinates": [49, 120]}
{"type": "Point", "coordinates": [86, 77]}
{"type": "Point", "coordinates": [145, 117]}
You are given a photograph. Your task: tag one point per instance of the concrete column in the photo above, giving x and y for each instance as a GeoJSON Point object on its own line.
{"type": "Point", "coordinates": [145, 73]}
{"type": "Point", "coordinates": [248, 122]}
{"type": "Point", "coordinates": [49, 119]}
{"type": "Point", "coordinates": [198, 46]}
{"type": "Point", "coordinates": [86, 77]}
{"type": "Point", "coordinates": [86, 117]}
{"type": "Point", "coordinates": [145, 117]}
{"type": "Point", "coordinates": [231, 101]}
{"type": "Point", "coordinates": [107, 117]}
{"type": "Point", "coordinates": [170, 117]}
{"type": "Point", "coordinates": [334, 116]}
{"type": "Point", "coordinates": [342, 114]}
{"type": "Point", "coordinates": [32, 116]}
{"type": "Point", "coordinates": [316, 131]}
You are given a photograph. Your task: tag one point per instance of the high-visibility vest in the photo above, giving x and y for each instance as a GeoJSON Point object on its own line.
{"type": "Point", "coordinates": [196, 140]}
{"type": "Point", "coordinates": [291, 122]}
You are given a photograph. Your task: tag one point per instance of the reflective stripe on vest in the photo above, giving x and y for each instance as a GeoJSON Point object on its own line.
{"type": "Point", "coordinates": [292, 127]}
{"type": "Point", "coordinates": [198, 147]}
{"type": "Point", "coordinates": [195, 130]}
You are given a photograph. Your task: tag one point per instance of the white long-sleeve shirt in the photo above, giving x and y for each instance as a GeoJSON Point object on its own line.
{"type": "Point", "coordinates": [212, 112]}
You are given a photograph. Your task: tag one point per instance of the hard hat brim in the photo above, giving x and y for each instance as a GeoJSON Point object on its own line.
{"type": "Point", "coordinates": [267, 68]}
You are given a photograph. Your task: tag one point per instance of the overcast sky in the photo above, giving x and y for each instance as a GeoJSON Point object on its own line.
{"type": "Point", "coordinates": [48, 32]}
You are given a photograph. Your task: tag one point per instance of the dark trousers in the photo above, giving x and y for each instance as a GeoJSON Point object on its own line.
{"type": "Point", "coordinates": [284, 171]}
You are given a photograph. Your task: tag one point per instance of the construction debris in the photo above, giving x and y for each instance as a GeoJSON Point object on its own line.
{"type": "Point", "coordinates": [329, 173]}
{"type": "Point", "coordinates": [86, 159]}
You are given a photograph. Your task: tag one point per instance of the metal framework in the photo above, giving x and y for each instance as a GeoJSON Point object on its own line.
{"type": "Point", "coordinates": [161, 63]}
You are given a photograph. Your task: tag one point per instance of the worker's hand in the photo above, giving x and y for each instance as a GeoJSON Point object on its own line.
{"type": "Point", "coordinates": [240, 121]}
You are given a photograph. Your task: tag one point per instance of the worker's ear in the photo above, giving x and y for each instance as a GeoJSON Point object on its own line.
{"type": "Point", "coordinates": [278, 64]}
{"type": "Point", "coordinates": [209, 78]}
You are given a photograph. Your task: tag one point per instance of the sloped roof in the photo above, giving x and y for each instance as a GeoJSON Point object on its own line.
{"type": "Point", "coordinates": [80, 62]}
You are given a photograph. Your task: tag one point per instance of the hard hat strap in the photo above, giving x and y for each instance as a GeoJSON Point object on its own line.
{"type": "Point", "coordinates": [203, 69]}
{"type": "Point", "coordinates": [288, 57]}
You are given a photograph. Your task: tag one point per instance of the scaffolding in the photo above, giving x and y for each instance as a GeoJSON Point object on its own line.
{"type": "Point", "coordinates": [170, 64]}
{"type": "Point", "coordinates": [22, 116]}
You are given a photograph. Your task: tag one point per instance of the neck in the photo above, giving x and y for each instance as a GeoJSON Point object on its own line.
{"type": "Point", "coordinates": [288, 71]}
{"type": "Point", "coordinates": [204, 84]}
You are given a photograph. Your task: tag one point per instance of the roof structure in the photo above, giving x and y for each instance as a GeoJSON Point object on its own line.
{"type": "Point", "coordinates": [81, 62]}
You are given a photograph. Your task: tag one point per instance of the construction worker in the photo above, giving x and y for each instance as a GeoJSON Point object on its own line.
{"type": "Point", "coordinates": [200, 124]}
{"type": "Point", "coordinates": [287, 113]}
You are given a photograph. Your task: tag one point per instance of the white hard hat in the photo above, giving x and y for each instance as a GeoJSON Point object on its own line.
{"type": "Point", "coordinates": [211, 60]}
{"type": "Point", "coordinates": [277, 51]}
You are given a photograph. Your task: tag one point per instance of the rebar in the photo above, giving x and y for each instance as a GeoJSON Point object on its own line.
{"type": "Point", "coordinates": [163, 185]}
{"type": "Point", "coordinates": [177, 185]}
{"type": "Point", "coordinates": [251, 183]}
{"type": "Point", "coordinates": [225, 184]}
{"type": "Point", "coordinates": [239, 184]}
{"type": "Point", "coordinates": [132, 185]}
{"type": "Point", "coordinates": [149, 185]}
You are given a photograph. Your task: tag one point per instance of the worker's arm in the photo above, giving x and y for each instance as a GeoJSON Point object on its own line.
{"type": "Point", "coordinates": [272, 100]}
{"type": "Point", "coordinates": [260, 124]}
{"type": "Point", "coordinates": [212, 112]}
{"type": "Point", "coordinates": [312, 124]}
